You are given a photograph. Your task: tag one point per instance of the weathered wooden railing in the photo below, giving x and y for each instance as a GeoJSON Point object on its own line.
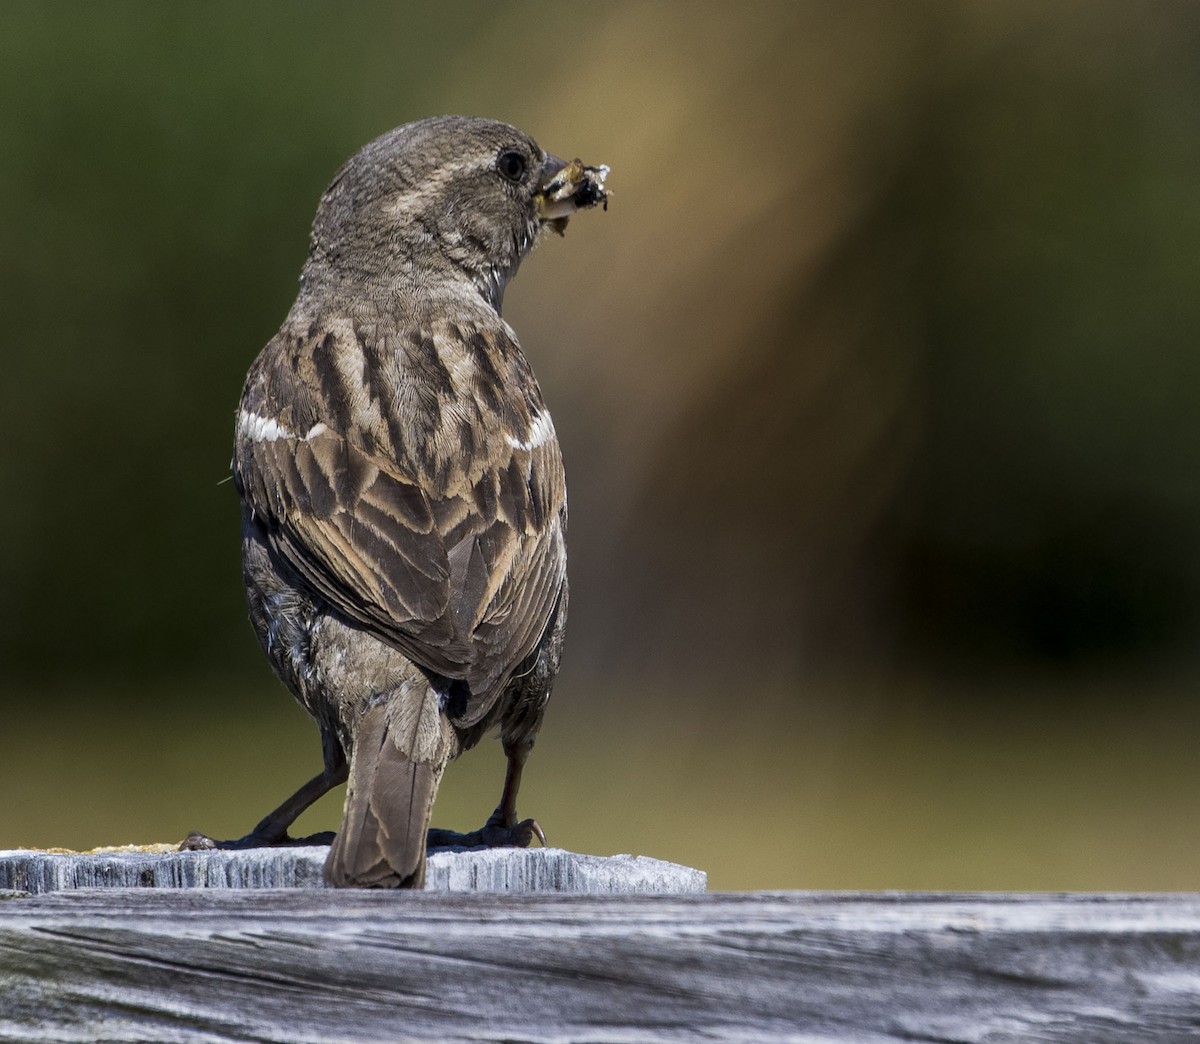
{"type": "Point", "coordinates": [307, 964]}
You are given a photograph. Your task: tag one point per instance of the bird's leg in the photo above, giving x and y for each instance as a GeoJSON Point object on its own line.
{"type": "Point", "coordinates": [502, 829]}
{"type": "Point", "coordinates": [272, 830]}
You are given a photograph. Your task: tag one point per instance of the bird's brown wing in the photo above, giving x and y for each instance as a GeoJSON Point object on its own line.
{"type": "Point", "coordinates": [456, 561]}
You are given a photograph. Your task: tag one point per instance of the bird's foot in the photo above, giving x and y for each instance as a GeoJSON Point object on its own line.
{"type": "Point", "coordinates": [497, 832]}
{"type": "Point", "coordinates": [198, 842]}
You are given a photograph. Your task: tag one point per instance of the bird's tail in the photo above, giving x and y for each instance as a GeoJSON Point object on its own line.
{"type": "Point", "coordinates": [389, 802]}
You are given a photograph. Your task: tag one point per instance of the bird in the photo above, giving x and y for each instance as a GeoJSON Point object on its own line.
{"type": "Point", "coordinates": [403, 500]}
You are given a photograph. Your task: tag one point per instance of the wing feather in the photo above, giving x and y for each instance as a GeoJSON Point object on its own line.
{"type": "Point", "coordinates": [455, 558]}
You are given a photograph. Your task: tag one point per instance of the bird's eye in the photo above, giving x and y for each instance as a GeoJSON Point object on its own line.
{"type": "Point", "coordinates": [511, 165]}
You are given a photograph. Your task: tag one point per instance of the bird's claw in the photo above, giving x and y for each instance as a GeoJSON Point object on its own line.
{"type": "Point", "coordinates": [519, 835]}
{"type": "Point", "coordinates": [495, 833]}
{"type": "Point", "coordinates": [198, 842]}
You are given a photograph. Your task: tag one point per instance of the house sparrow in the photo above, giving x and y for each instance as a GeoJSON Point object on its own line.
{"type": "Point", "coordinates": [404, 510]}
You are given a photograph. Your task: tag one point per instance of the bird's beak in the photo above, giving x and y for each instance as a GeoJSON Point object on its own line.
{"type": "Point", "coordinates": [567, 187]}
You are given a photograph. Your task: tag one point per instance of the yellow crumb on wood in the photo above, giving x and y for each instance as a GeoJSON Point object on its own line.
{"type": "Point", "coordinates": [156, 848]}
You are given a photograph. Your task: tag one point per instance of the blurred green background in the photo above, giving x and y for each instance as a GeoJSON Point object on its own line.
{"type": "Point", "coordinates": [877, 385]}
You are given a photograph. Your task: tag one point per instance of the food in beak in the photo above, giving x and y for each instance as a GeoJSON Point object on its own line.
{"type": "Point", "coordinates": [571, 188]}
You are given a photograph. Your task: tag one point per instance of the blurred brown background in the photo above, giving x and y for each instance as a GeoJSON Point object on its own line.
{"type": "Point", "coordinates": [877, 385]}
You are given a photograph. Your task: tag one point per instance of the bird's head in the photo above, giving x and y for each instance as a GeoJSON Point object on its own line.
{"type": "Point", "coordinates": [447, 195]}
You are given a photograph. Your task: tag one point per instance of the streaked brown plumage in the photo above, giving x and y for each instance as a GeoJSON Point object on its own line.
{"type": "Point", "coordinates": [404, 506]}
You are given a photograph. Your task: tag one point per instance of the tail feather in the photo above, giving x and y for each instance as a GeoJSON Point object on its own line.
{"type": "Point", "coordinates": [389, 803]}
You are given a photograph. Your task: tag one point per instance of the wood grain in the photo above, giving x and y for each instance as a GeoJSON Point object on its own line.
{"type": "Point", "coordinates": [450, 870]}
{"type": "Point", "coordinates": [318, 965]}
